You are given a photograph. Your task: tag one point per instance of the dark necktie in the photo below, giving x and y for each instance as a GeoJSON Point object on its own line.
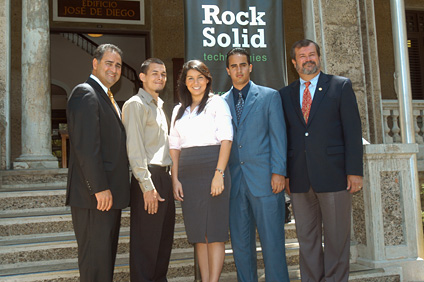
{"type": "Point", "coordinates": [239, 106]}
{"type": "Point", "coordinates": [306, 102]}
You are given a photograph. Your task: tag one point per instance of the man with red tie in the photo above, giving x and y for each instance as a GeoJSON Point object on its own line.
{"type": "Point", "coordinates": [324, 163]}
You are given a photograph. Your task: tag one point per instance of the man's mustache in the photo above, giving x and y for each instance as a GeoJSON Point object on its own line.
{"type": "Point", "coordinates": [309, 62]}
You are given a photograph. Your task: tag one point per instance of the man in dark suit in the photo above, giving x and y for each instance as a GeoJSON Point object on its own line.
{"type": "Point", "coordinates": [324, 163]}
{"type": "Point", "coordinates": [98, 178]}
{"type": "Point", "coordinates": [258, 168]}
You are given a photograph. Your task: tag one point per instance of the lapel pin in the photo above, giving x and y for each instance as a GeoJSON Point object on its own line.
{"type": "Point", "coordinates": [320, 89]}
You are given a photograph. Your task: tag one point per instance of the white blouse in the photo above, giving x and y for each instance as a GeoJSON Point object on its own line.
{"type": "Point", "coordinates": [210, 127]}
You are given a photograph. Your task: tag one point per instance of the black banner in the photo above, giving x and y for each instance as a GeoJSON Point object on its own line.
{"type": "Point", "coordinates": [213, 27]}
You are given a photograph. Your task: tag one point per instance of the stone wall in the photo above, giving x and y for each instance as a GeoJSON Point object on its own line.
{"type": "Point", "coordinates": [336, 27]}
{"type": "Point", "coordinates": [293, 29]}
{"type": "Point", "coordinates": [167, 39]}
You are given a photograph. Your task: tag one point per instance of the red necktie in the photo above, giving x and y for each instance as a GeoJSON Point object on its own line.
{"type": "Point", "coordinates": [306, 102]}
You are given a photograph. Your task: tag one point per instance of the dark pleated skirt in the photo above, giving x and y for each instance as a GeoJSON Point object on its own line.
{"type": "Point", "coordinates": [204, 215]}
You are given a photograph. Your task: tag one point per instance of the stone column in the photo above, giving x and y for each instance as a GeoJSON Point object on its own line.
{"type": "Point", "coordinates": [402, 72]}
{"type": "Point", "coordinates": [336, 26]}
{"type": "Point", "coordinates": [372, 71]}
{"type": "Point", "coordinates": [36, 109]}
{"type": "Point", "coordinates": [387, 212]}
{"type": "Point", "coordinates": [5, 84]}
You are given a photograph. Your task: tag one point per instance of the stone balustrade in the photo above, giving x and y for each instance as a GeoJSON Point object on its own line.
{"type": "Point", "coordinates": [392, 132]}
{"type": "Point", "coordinates": [391, 123]}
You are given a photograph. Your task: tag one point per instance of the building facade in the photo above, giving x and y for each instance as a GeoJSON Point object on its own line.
{"type": "Point", "coordinates": [41, 60]}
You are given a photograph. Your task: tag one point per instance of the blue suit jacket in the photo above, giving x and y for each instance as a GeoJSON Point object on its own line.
{"type": "Point", "coordinates": [259, 142]}
{"type": "Point", "coordinates": [323, 152]}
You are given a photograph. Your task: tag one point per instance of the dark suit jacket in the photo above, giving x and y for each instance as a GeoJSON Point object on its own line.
{"type": "Point", "coordinates": [322, 153]}
{"type": "Point", "coordinates": [98, 157]}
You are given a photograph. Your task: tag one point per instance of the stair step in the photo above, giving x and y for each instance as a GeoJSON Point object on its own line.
{"type": "Point", "coordinates": [16, 213]}
{"type": "Point", "coordinates": [180, 272]}
{"type": "Point", "coordinates": [29, 180]}
{"type": "Point", "coordinates": [65, 236]}
{"type": "Point", "coordinates": [24, 259]}
{"type": "Point", "coordinates": [181, 264]}
{"type": "Point", "coordinates": [32, 199]}
{"type": "Point", "coordinates": [49, 220]}
{"type": "Point", "coordinates": [17, 202]}
{"type": "Point", "coordinates": [64, 246]}
{"type": "Point", "coordinates": [358, 273]}
{"type": "Point", "coordinates": [42, 224]}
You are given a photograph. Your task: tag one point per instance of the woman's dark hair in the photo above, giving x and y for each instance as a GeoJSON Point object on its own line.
{"type": "Point", "coordinates": [184, 95]}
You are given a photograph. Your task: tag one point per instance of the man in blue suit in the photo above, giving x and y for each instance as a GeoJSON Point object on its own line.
{"type": "Point", "coordinates": [324, 163]}
{"type": "Point", "coordinates": [258, 168]}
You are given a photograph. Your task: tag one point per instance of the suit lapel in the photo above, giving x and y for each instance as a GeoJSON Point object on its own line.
{"type": "Point", "coordinates": [320, 90]}
{"type": "Point", "coordinates": [295, 98]}
{"type": "Point", "coordinates": [252, 96]}
{"type": "Point", "coordinates": [100, 92]}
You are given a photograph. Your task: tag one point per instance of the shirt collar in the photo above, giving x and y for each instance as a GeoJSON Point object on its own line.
{"type": "Point", "coordinates": [313, 81]}
{"type": "Point", "coordinates": [243, 91]}
{"type": "Point", "coordinates": [105, 89]}
{"type": "Point", "coordinates": [149, 98]}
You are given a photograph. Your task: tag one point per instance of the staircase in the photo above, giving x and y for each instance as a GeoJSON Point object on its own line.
{"type": "Point", "coordinates": [37, 241]}
{"type": "Point", "coordinates": [90, 46]}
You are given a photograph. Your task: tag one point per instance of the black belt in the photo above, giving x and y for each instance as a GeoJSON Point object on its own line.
{"type": "Point", "coordinates": [164, 168]}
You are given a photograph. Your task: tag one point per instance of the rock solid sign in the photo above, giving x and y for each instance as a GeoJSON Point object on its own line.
{"type": "Point", "coordinates": [213, 27]}
{"type": "Point", "coordinates": [131, 11]}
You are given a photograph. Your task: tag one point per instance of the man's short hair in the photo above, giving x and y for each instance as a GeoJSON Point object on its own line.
{"type": "Point", "coordinates": [145, 65]}
{"type": "Point", "coordinates": [240, 51]}
{"type": "Point", "coordinates": [303, 43]}
{"type": "Point", "coordinates": [101, 49]}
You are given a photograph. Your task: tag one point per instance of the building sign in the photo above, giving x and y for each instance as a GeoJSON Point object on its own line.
{"type": "Point", "coordinates": [104, 11]}
{"type": "Point", "coordinates": [213, 27]}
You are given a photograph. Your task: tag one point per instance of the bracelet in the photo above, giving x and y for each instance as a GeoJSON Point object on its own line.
{"type": "Point", "coordinates": [220, 171]}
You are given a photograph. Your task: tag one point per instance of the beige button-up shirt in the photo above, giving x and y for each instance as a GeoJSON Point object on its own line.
{"type": "Point", "coordinates": [147, 136]}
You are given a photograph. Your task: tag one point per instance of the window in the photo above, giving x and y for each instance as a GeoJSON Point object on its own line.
{"type": "Point", "coordinates": [415, 33]}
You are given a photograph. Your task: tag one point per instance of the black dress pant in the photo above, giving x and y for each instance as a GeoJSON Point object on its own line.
{"type": "Point", "coordinates": [151, 235]}
{"type": "Point", "coordinates": [97, 234]}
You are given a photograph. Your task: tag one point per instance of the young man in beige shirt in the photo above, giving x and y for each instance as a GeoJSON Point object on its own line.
{"type": "Point", "coordinates": [152, 202]}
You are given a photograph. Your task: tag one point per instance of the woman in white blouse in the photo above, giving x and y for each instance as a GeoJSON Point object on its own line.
{"type": "Point", "coordinates": [200, 144]}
